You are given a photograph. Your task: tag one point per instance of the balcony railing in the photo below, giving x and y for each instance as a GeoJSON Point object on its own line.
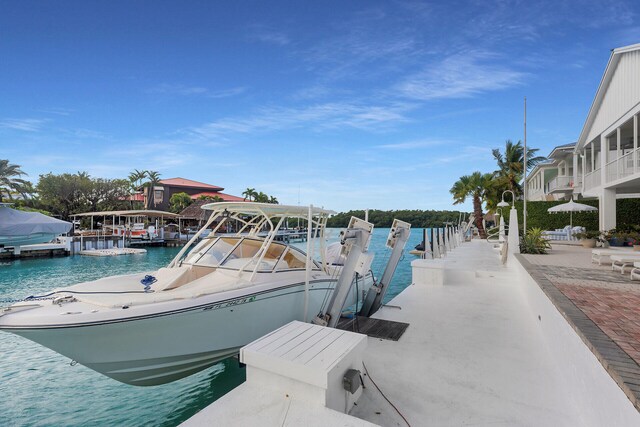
{"type": "Point", "coordinates": [621, 167]}
{"type": "Point", "coordinates": [534, 194]}
{"type": "Point", "coordinates": [592, 179]}
{"type": "Point", "coordinates": [560, 183]}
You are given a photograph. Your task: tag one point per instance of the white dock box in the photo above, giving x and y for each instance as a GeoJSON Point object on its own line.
{"type": "Point", "coordinates": [307, 362]}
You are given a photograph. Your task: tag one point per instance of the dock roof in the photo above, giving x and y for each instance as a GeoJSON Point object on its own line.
{"type": "Point", "coordinates": [150, 213]}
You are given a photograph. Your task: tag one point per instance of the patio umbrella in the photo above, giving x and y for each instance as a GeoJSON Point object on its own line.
{"type": "Point", "coordinates": [572, 207]}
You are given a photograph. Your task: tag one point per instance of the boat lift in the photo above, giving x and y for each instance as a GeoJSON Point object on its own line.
{"type": "Point", "coordinates": [396, 241]}
{"type": "Point", "coordinates": [355, 244]}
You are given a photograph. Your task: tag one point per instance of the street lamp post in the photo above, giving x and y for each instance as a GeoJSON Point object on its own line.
{"type": "Point", "coordinates": [504, 204]}
{"type": "Point", "coordinates": [513, 239]}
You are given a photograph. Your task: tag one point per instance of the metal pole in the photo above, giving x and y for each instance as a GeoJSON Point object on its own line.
{"type": "Point", "coordinates": [524, 210]}
{"type": "Point", "coordinates": [308, 262]}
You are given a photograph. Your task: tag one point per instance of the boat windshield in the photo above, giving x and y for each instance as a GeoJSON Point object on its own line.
{"type": "Point", "coordinates": [242, 253]}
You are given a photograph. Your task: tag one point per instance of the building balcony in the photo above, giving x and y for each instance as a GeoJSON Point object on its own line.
{"type": "Point", "coordinates": [622, 167]}
{"type": "Point", "coordinates": [560, 184]}
{"type": "Point", "coordinates": [592, 180]}
{"type": "Point", "coordinates": [535, 194]}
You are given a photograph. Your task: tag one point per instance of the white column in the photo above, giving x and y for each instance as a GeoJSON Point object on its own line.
{"type": "Point", "coordinates": [584, 168]}
{"type": "Point", "coordinates": [575, 169]}
{"type": "Point", "coordinates": [607, 209]}
{"type": "Point", "coordinates": [635, 143]}
{"type": "Point", "coordinates": [618, 153]}
{"type": "Point", "coordinates": [604, 155]}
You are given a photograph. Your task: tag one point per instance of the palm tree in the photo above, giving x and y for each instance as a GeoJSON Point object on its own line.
{"type": "Point", "coordinates": [135, 182]}
{"type": "Point", "coordinates": [10, 181]}
{"type": "Point", "coordinates": [476, 186]}
{"type": "Point", "coordinates": [153, 180]}
{"type": "Point", "coordinates": [249, 193]}
{"type": "Point", "coordinates": [510, 164]}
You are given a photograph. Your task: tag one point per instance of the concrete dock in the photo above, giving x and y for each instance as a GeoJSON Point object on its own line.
{"type": "Point", "coordinates": [485, 347]}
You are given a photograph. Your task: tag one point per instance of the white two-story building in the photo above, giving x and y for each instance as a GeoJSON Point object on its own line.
{"type": "Point", "coordinates": [554, 179]}
{"type": "Point", "coordinates": [606, 158]}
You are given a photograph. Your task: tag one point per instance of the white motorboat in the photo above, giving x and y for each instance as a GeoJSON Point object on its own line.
{"type": "Point", "coordinates": [218, 294]}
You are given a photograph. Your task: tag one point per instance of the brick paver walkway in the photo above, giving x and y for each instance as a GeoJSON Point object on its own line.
{"type": "Point", "coordinates": [603, 306]}
{"type": "Point", "coordinates": [615, 312]}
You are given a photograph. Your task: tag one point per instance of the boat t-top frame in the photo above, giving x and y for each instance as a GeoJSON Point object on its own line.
{"type": "Point", "coordinates": [262, 220]}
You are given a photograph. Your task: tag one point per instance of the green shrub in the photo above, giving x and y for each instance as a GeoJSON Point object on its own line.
{"type": "Point", "coordinates": [534, 242]}
{"type": "Point", "coordinates": [627, 215]}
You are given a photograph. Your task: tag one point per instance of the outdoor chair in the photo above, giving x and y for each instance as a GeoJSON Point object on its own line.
{"type": "Point", "coordinates": [600, 255]}
{"type": "Point", "coordinates": [621, 261]}
{"type": "Point", "coordinates": [635, 271]}
{"type": "Point", "coordinates": [560, 234]}
{"type": "Point", "coordinates": [575, 230]}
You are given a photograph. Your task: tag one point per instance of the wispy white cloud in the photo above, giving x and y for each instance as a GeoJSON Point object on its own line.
{"type": "Point", "coordinates": [177, 89]}
{"type": "Point", "coordinates": [459, 76]}
{"type": "Point", "coordinates": [465, 152]}
{"type": "Point", "coordinates": [312, 92]}
{"type": "Point", "coordinates": [57, 111]}
{"type": "Point", "coordinates": [269, 36]}
{"type": "Point", "coordinates": [183, 90]}
{"type": "Point", "coordinates": [318, 117]}
{"type": "Point", "coordinates": [410, 145]}
{"type": "Point", "coordinates": [84, 133]}
{"type": "Point", "coordinates": [26, 125]}
{"type": "Point", "coordinates": [225, 93]}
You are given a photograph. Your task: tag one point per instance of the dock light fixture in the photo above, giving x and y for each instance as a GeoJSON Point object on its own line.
{"type": "Point", "coordinates": [504, 204]}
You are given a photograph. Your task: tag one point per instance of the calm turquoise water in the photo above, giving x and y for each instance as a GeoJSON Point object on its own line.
{"type": "Point", "coordinates": [38, 387]}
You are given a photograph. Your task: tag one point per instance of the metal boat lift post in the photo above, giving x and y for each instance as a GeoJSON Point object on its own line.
{"type": "Point", "coordinates": [355, 243]}
{"type": "Point", "coordinates": [397, 239]}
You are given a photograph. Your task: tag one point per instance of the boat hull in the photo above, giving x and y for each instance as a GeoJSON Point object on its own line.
{"type": "Point", "coordinates": [30, 239]}
{"type": "Point", "coordinates": [168, 346]}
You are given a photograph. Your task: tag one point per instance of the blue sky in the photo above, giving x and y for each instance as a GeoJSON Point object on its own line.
{"type": "Point", "coordinates": [343, 104]}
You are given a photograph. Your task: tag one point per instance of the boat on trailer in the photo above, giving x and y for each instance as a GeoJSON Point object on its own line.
{"type": "Point", "coordinates": [218, 294]}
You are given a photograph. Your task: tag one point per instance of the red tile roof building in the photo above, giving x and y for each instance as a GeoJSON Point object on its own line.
{"type": "Point", "coordinates": [168, 187]}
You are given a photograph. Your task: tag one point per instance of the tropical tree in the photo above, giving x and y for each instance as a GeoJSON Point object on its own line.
{"type": "Point", "coordinates": [261, 197]}
{"type": "Point", "coordinates": [10, 181]}
{"type": "Point", "coordinates": [68, 194]}
{"type": "Point", "coordinates": [104, 194]}
{"type": "Point", "coordinates": [153, 179]}
{"type": "Point", "coordinates": [135, 182]}
{"type": "Point", "coordinates": [179, 202]}
{"type": "Point", "coordinates": [475, 186]}
{"type": "Point", "coordinates": [511, 165]}
{"type": "Point", "coordinates": [250, 193]}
